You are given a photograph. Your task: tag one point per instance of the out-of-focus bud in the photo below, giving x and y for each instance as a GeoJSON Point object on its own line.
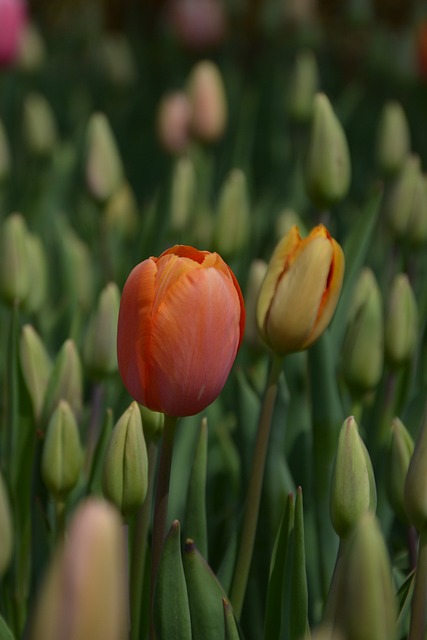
{"type": "Point", "coordinates": [99, 349]}
{"type": "Point", "coordinates": [415, 494]}
{"type": "Point", "coordinates": [125, 473]}
{"type": "Point", "coordinates": [183, 190]}
{"type": "Point", "coordinates": [363, 348]}
{"type": "Point", "coordinates": [286, 220]}
{"type": "Point", "coordinates": [79, 275]}
{"type": "Point", "coordinates": [39, 274]}
{"type": "Point", "coordinates": [256, 276]}
{"type": "Point", "coordinates": [327, 165]}
{"type": "Point", "coordinates": [13, 18]}
{"type": "Point", "coordinates": [406, 207]}
{"type": "Point", "coordinates": [84, 589]}
{"type": "Point", "coordinates": [206, 93]}
{"type": "Point", "coordinates": [104, 168]}
{"type": "Point", "coordinates": [232, 222]}
{"type": "Point", "coordinates": [36, 367]}
{"type": "Point", "coordinates": [62, 452]}
{"type": "Point", "coordinates": [32, 50]}
{"type": "Point", "coordinates": [65, 382]}
{"type": "Point", "coordinates": [353, 490]}
{"type": "Point", "coordinates": [152, 423]}
{"type": "Point", "coordinates": [174, 122]}
{"type": "Point", "coordinates": [401, 322]}
{"type": "Point", "coordinates": [6, 529]}
{"type": "Point", "coordinates": [39, 125]}
{"type": "Point", "coordinates": [304, 275]}
{"type": "Point", "coordinates": [400, 449]}
{"type": "Point", "coordinates": [197, 24]}
{"type": "Point", "coordinates": [14, 264]}
{"type": "Point", "coordinates": [121, 211]}
{"type": "Point", "coordinates": [304, 86]}
{"type": "Point", "coordinates": [116, 59]}
{"type": "Point", "coordinates": [367, 606]}
{"type": "Point", "coordinates": [5, 159]}
{"type": "Point", "coordinates": [326, 632]}
{"type": "Point", "coordinates": [393, 138]}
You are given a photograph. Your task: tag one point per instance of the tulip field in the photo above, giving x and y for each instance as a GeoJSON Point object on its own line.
{"type": "Point", "coordinates": [213, 320]}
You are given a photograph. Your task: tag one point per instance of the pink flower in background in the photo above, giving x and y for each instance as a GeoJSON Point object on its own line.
{"type": "Point", "coordinates": [13, 18]}
{"type": "Point", "coordinates": [197, 24]}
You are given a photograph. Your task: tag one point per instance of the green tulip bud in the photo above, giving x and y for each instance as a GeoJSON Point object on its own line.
{"type": "Point", "coordinates": [36, 367]}
{"type": "Point", "coordinates": [104, 168]}
{"type": "Point", "coordinates": [400, 449]}
{"type": "Point", "coordinates": [125, 473]}
{"type": "Point", "coordinates": [363, 348]}
{"type": "Point", "coordinates": [6, 529]}
{"type": "Point", "coordinates": [62, 452]}
{"type": "Point", "coordinates": [327, 165]}
{"type": "Point", "coordinates": [287, 219]}
{"type": "Point", "coordinates": [183, 191]}
{"type": "Point", "coordinates": [415, 492]}
{"type": "Point", "coordinates": [65, 382]}
{"type": "Point", "coordinates": [206, 93]}
{"type": "Point", "coordinates": [304, 86]}
{"type": "Point", "coordinates": [121, 211]}
{"type": "Point", "coordinates": [5, 159]}
{"type": "Point", "coordinates": [32, 50]}
{"type": "Point", "coordinates": [39, 125]}
{"type": "Point", "coordinates": [401, 323]}
{"type": "Point", "coordinates": [366, 605]}
{"type": "Point", "coordinates": [232, 222]}
{"type": "Point", "coordinates": [39, 274]}
{"type": "Point", "coordinates": [116, 59]}
{"type": "Point", "coordinates": [152, 423]}
{"type": "Point", "coordinates": [79, 280]}
{"type": "Point", "coordinates": [257, 272]}
{"type": "Point", "coordinates": [14, 264]}
{"type": "Point", "coordinates": [407, 203]}
{"type": "Point", "coordinates": [353, 490]}
{"type": "Point", "coordinates": [99, 350]}
{"type": "Point", "coordinates": [393, 138]}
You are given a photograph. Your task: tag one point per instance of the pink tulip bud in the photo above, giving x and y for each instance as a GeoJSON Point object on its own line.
{"type": "Point", "coordinates": [13, 19]}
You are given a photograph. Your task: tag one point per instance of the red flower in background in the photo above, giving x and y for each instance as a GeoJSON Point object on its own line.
{"type": "Point", "coordinates": [13, 19]}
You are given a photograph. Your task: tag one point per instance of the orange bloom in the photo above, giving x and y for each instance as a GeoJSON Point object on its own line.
{"type": "Point", "coordinates": [181, 322]}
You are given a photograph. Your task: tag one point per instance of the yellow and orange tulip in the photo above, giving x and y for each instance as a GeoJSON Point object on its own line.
{"type": "Point", "coordinates": [181, 323]}
{"type": "Point", "coordinates": [300, 291]}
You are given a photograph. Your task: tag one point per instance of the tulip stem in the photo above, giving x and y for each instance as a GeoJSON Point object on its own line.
{"type": "Point", "coordinates": [161, 505]}
{"type": "Point", "coordinates": [419, 599]}
{"type": "Point", "coordinates": [253, 498]}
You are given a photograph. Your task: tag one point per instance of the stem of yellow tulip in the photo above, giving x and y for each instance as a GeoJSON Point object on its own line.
{"type": "Point", "coordinates": [161, 505]}
{"type": "Point", "coordinates": [419, 599]}
{"type": "Point", "coordinates": [253, 498]}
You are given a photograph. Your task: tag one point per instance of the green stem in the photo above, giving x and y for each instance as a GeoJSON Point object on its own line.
{"type": "Point", "coordinates": [419, 599]}
{"type": "Point", "coordinates": [59, 519]}
{"type": "Point", "coordinates": [161, 505]}
{"type": "Point", "coordinates": [254, 490]}
{"type": "Point", "coordinates": [331, 605]}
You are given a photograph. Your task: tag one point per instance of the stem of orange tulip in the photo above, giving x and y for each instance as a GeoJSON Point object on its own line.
{"type": "Point", "coordinates": [253, 498]}
{"type": "Point", "coordinates": [161, 506]}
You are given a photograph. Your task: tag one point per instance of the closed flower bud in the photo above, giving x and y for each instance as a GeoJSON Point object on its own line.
{"type": "Point", "coordinates": [78, 270]}
{"type": "Point", "coordinates": [401, 323]}
{"type": "Point", "coordinates": [62, 452]}
{"type": "Point", "coordinates": [5, 159]}
{"type": "Point", "coordinates": [39, 274]}
{"type": "Point", "coordinates": [304, 86]}
{"type": "Point", "coordinates": [99, 350]}
{"type": "Point", "coordinates": [104, 168]}
{"type": "Point", "coordinates": [286, 220]}
{"type": "Point", "coordinates": [121, 211]}
{"type": "Point", "coordinates": [181, 323]}
{"type": "Point", "coordinates": [400, 449]}
{"type": "Point", "coordinates": [36, 367]}
{"type": "Point", "coordinates": [152, 424]}
{"type": "Point", "coordinates": [353, 490]}
{"type": "Point", "coordinates": [40, 130]}
{"type": "Point", "coordinates": [65, 382]}
{"type": "Point", "coordinates": [6, 529]}
{"type": "Point", "coordinates": [183, 191]}
{"type": "Point", "coordinates": [406, 206]}
{"type": "Point", "coordinates": [117, 60]}
{"type": "Point", "coordinates": [363, 349]}
{"type": "Point", "coordinates": [256, 276]}
{"type": "Point", "coordinates": [300, 290]}
{"type": "Point", "coordinates": [197, 24]}
{"type": "Point", "coordinates": [174, 122]}
{"type": "Point", "coordinates": [232, 221]}
{"type": "Point", "coordinates": [84, 589]}
{"type": "Point", "coordinates": [14, 264]}
{"type": "Point", "coordinates": [125, 473]}
{"type": "Point", "coordinates": [327, 165]}
{"type": "Point", "coordinates": [393, 138]}
{"type": "Point", "coordinates": [13, 18]}
{"type": "Point", "coordinates": [32, 50]}
{"type": "Point", "coordinates": [208, 101]}
{"type": "Point", "coordinates": [415, 493]}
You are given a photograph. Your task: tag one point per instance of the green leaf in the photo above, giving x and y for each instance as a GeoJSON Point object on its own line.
{"type": "Point", "coordinates": [298, 621]}
{"type": "Point", "coordinates": [195, 513]}
{"type": "Point", "coordinates": [5, 632]}
{"type": "Point", "coordinates": [231, 631]}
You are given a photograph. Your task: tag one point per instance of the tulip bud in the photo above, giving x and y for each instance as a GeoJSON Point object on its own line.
{"type": "Point", "coordinates": [84, 590]}
{"type": "Point", "coordinates": [174, 122]}
{"type": "Point", "coordinates": [6, 529]}
{"type": "Point", "coordinates": [327, 165]}
{"type": "Point", "coordinates": [121, 211]}
{"type": "Point", "coordinates": [65, 382]}
{"type": "Point", "coordinates": [62, 452]}
{"type": "Point", "coordinates": [36, 367]}
{"type": "Point", "coordinates": [5, 159]}
{"type": "Point", "coordinates": [125, 474]}
{"type": "Point", "coordinates": [233, 223]}
{"type": "Point", "coordinates": [400, 449]}
{"type": "Point", "coordinates": [99, 350]}
{"type": "Point", "coordinates": [104, 168]}
{"type": "Point", "coordinates": [305, 276]}
{"type": "Point", "coordinates": [183, 193]}
{"type": "Point", "coordinates": [353, 490]}
{"type": "Point", "coordinates": [13, 17]}
{"type": "Point", "coordinates": [116, 59]}
{"type": "Point", "coordinates": [407, 203]}
{"type": "Point", "coordinates": [401, 323]}
{"type": "Point", "coordinates": [14, 263]}
{"type": "Point", "coordinates": [363, 349]}
{"type": "Point", "coordinates": [79, 280]}
{"type": "Point", "coordinates": [367, 605]}
{"type": "Point", "coordinates": [206, 93]}
{"type": "Point", "coordinates": [415, 493]}
{"type": "Point", "coordinates": [39, 274]}
{"type": "Point", "coordinates": [393, 138]}
{"type": "Point", "coordinates": [152, 424]}
{"type": "Point", "coordinates": [256, 276]}
{"type": "Point", "coordinates": [40, 130]}
{"type": "Point", "coordinates": [286, 220]}
{"type": "Point", "coordinates": [198, 24]}
{"type": "Point", "coordinates": [32, 50]}
{"type": "Point", "coordinates": [304, 86]}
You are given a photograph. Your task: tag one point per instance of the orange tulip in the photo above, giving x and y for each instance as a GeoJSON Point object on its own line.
{"type": "Point", "coordinates": [181, 322]}
{"type": "Point", "coordinates": [300, 291]}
